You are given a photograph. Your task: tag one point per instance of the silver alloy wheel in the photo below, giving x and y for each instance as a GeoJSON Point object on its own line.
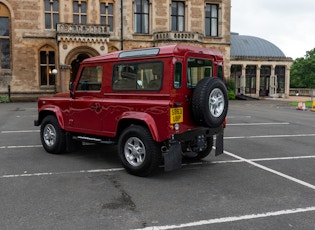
{"type": "Point", "coordinates": [134, 151]}
{"type": "Point", "coordinates": [216, 102]}
{"type": "Point", "coordinates": [50, 135]}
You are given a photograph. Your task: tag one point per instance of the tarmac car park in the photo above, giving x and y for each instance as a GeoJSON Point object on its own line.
{"type": "Point", "coordinates": [264, 180]}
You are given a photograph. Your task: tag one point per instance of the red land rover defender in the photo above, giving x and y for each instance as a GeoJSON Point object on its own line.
{"type": "Point", "coordinates": [159, 103]}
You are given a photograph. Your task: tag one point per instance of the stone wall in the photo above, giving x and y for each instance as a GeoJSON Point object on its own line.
{"type": "Point", "coordinates": [28, 36]}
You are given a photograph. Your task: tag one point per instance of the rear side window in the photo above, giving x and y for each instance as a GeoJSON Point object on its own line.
{"type": "Point", "coordinates": [138, 76]}
{"type": "Point", "coordinates": [197, 69]}
{"type": "Point", "coordinates": [178, 75]}
{"type": "Point", "coordinates": [90, 79]}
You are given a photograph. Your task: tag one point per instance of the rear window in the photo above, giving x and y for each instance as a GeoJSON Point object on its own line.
{"type": "Point", "coordinates": [138, 76]}
{"type": "Point", "coordinates": [197, 69]}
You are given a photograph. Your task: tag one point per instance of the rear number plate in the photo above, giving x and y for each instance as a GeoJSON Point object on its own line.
{"type": "Point", "coordinates": [176, 115]}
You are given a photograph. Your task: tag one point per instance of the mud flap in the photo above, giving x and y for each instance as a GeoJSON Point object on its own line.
{"type": "Point", "coordinates": [219, 144]}
{"type": "Point", "coordinates": [173, 157]}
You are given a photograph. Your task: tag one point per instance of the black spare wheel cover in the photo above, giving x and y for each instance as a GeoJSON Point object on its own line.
{"type": "Point", "coordinates": [210, 102]}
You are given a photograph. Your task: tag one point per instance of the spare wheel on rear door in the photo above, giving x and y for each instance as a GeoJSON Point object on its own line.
{"type": "Point", "coordinates": [210, 102]}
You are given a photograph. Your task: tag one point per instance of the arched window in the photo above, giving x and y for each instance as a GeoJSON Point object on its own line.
{"type": "Point", "coordinates": [5, 50]}
{"type": "Point", "coordinates": [47, 59]}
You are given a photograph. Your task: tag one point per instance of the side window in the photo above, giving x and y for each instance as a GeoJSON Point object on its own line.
{"type": "Point", "coordinates": [178, 75]}
{"type": "Point", "coordinates": [90, 79]}
{"type": "Point", "coordinates": [138, 76]}
{"type": "Point", "coordinates": [198, 69]}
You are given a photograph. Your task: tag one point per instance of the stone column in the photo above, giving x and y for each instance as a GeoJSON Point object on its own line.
{"type": "Point", "coordinates": [257, 80]}
{"type": "Point", "coordinates": [287, 82]}
{"type": "Point", "coordinates": [64, 77]}
{"type": "Point", "coordinates": [243, 80]}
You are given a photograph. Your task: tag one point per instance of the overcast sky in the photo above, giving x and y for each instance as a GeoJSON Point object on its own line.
{"type": "Point", "coordinates": [289, 24]}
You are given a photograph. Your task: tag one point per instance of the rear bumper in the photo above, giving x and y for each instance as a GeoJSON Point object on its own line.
{"type": "Point", "coordinates": [173, 156]}
{"type": "Point", "coordinates": [206, 132]}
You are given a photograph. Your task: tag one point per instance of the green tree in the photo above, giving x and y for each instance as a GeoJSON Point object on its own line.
{"type": "Point", "coordinates": [303, 71]}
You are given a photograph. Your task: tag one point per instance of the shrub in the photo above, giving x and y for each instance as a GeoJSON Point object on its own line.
{"type": "Point", "coordinates": [4, 99]}
{"type": "Point", "coordinates": [230, 85]}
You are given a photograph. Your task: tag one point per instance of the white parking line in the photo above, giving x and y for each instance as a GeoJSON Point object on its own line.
{"type": "Point", "coordinates": [231, 219]}
{"type": "Point", "coordinates": [232, 117]}
{"type": "Point", "coordinates": [241, 160]}
{"type": "Point", "coordinates": [23, 146]}
{"type": "Point", "coordinates": [61, 173]}
{"type": "Point", "coordinates": [272, 171]}
{"type": "Point", "coordinates": [20, 131]}
{"type": "Point", "coordinates": [20, 146]}
{"type": "Point", "coordinates": [271, 136]}
{"type": "Point", "coordinates": [269, 123]}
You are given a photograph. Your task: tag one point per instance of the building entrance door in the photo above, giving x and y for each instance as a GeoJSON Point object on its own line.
{"type": "Point", "coordinates": [264, 86]}
{"type": "Point", "coordinates": [273, 86]}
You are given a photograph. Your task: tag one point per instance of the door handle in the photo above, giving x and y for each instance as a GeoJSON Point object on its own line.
{"type": "Point", "coordinates": [95, 107]}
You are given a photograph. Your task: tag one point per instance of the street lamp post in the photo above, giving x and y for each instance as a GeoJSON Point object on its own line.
{"type": "Point", "coordinates": [54, 73]}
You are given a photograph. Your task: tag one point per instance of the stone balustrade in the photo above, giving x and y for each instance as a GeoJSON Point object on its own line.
{"type": "Point", "coordinates": [178, 36]}
{"type": "Point", "coordinates": [83, 29]}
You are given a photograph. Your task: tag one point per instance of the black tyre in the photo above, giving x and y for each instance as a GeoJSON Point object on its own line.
{"type": "Point", "coordinates": [210, 102]}
{"type": "Point", "coordinates": [52, 136]}
{"type": "Point", "coordinates": [138, 152]}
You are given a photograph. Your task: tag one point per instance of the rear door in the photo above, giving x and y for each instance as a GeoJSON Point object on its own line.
{"type": "Point", "coordinates": [196, 67]}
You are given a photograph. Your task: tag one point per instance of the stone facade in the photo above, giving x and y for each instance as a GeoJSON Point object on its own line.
{"type": "Point", "coordinates": [70, 41]}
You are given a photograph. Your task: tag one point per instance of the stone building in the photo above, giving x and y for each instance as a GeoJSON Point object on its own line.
{"type": "Point", "coordinates": [258, 67]}
{"type": "Point", "coordinates": [37, 36]}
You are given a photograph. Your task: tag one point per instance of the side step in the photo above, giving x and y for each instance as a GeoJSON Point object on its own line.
{"type": "Point", "coordinates": [94, 140]}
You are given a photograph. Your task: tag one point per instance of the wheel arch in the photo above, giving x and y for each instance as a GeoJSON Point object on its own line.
{"type": "Point", "coordinates": [138, 118]}
{"type": "Point", "coordinates": [55, 111]}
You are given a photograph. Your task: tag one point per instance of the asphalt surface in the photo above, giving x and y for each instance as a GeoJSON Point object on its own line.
{"type": "Point", "coordinates": [265, 179]}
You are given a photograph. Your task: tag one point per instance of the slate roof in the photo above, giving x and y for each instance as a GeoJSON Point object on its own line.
{"type": "Point", "coordinates": [249, 46]}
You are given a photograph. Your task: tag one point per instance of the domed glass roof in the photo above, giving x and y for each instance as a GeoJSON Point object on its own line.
{"type": "Point", "coordinates": [249, 46]}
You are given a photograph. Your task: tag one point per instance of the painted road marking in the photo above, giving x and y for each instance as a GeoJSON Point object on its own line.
{"type": "Point", "coordinates": [272, 171]}
{"type": "Point", "coordinates": [25, 174]}
{"type": "Point", "coordinates": [271, 136]}
{"type": "Point", "coordinates": [267, 123]}
{"type": "Point", "coordinates": [20, 131]}
{"type": "Point", "coordinates": [20, 146]}
{"type": "Point", "coordinates": [233, 117]}
{"type": "Point", "coordinates": [23, 146]}
{"type": "Point", "coordinates": [231, 219]}
{"type": "Point", "coordinates": [61, 173]}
